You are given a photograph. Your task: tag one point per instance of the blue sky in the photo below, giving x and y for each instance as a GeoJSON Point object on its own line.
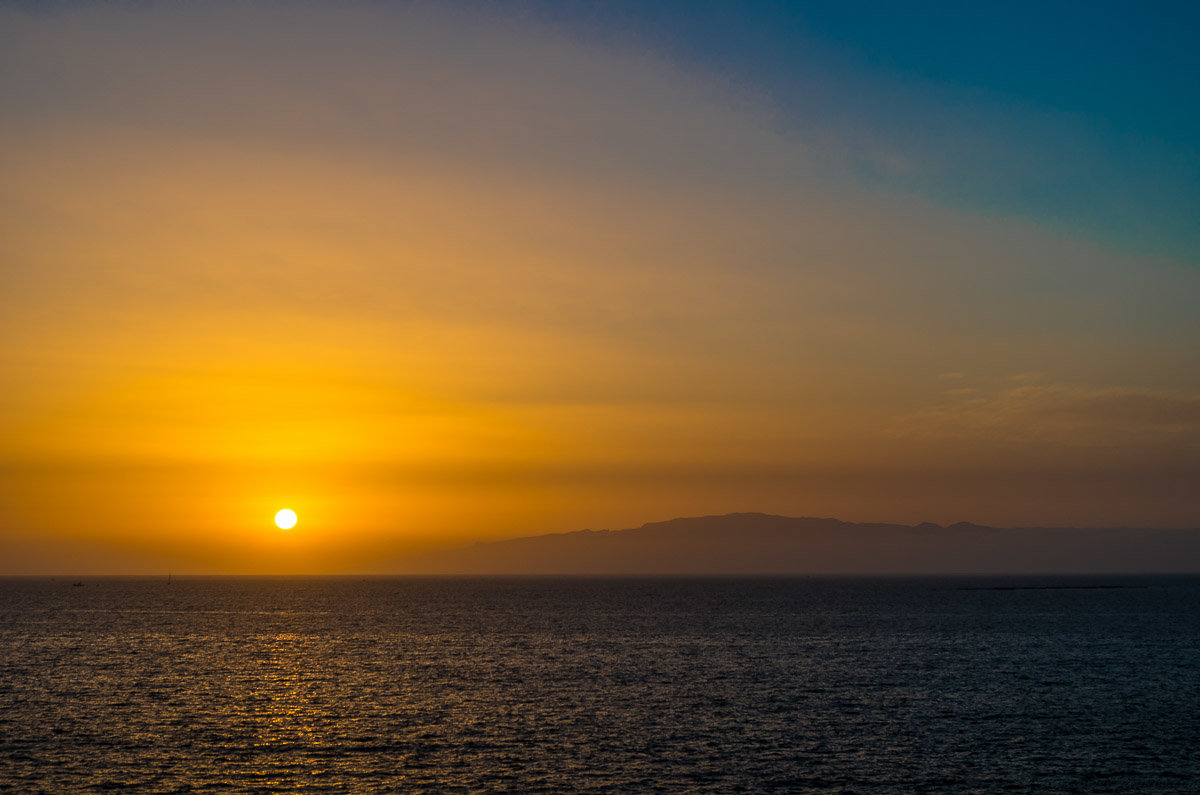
{"type": "Point", "coordinates": [1080, 116]}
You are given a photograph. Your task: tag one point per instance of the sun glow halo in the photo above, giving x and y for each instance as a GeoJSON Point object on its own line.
{"type": "Point", "coordinates": [285, 519]}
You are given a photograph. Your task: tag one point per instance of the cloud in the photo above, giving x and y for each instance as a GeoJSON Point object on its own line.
{"type": "Point", "coordinates": [1061, 414]}
{"type": "Point", "coordinates": [482, 87]}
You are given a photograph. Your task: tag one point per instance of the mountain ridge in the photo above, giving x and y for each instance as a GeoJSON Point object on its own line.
{"type": "Point", "coordinates": [749, 543]}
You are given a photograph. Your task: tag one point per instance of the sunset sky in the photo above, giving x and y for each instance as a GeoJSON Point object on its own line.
{"type": "Point", "coordinates": [427, 273]}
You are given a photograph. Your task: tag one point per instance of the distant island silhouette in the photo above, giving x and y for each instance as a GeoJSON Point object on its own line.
{"type": "Point", "coordinates": [757, 543]}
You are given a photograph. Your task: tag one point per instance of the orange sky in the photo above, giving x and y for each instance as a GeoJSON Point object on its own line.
{"type": "Point", "coordinates": [426, 280]}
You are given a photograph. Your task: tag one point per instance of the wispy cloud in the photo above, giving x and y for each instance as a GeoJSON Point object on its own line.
{"type": "Point", "coordinates": [1063, 414]}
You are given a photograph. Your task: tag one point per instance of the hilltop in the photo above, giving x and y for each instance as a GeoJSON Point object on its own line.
{"type": "Point", "coordinates": [757, 543]}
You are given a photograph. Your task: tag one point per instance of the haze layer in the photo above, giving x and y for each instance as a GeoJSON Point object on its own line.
{"type": "Point", "coordinates": [433, 274]}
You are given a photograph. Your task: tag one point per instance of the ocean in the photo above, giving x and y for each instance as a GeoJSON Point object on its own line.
{"type": "Point", "coordinates": [1067, 684]}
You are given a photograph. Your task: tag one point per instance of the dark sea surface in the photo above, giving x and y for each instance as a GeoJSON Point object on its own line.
{"type": "Point", "coordinates": [619, 685]}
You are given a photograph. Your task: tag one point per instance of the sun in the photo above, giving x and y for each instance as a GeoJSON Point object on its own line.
{"type": "Point", "coordinates": [285, 519]}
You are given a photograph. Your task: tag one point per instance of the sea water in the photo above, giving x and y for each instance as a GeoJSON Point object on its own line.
{"type": "Point", "coordinates": [616, 685]}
